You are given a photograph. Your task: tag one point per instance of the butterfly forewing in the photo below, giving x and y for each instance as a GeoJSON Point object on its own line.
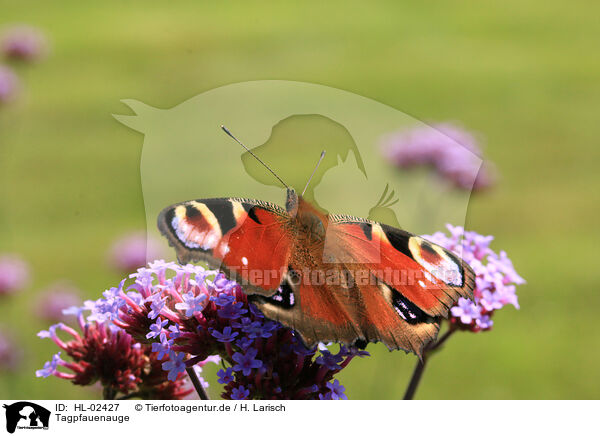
{"type": "Point", "coordinates": [246, 238]}
{"type": "Point", "coordinates": [428, 275]}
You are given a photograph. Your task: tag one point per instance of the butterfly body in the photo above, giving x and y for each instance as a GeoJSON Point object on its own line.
{"type": "Point", "coordinates": [331, 278]}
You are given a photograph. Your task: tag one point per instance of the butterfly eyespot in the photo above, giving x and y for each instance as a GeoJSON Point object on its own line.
{"type": "Point", "coordinates": [284, 297]}
{"type": "Point", "coordinates": [406, 309]}
{"type": "Point", "coordinates": [439, 263]}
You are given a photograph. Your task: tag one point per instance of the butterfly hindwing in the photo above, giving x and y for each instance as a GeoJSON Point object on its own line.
{"type": "Point", "coordinates": [350, 315]}
{"type": "Point", "coordinates": [317, 312]}
{"type": "Point", "coordinates": [248, 239]}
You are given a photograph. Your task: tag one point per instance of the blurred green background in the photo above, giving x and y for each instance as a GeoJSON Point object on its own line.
{"type": "Point", "coordinates": [524, 74]}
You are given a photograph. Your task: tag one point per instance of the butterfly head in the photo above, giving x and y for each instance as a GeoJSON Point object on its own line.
{"type": "Point", "coordinates": [310, 221]}
{"type": "Point", "coordinates": [291, 202]}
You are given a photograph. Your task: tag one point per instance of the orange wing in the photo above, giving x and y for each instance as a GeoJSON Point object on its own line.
{"type": "Point", "coordinates": [248, 239]}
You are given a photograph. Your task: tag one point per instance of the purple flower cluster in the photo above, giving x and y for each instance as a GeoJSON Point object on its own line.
{"type": "Point", "coordinates": [451, 151]}
{"type": "Point", "coordinates": [495, 282]}
{"type": "Point", "coordinates": [24, 43]}
{"type": "Point", "coordinates": [189, 315]}
{"type": "Point", "coordinates": [131, 251]}
{"type": "Point", "coordinates": [107, 354]}
{"type": "Point", "coordinates": [14, 274]}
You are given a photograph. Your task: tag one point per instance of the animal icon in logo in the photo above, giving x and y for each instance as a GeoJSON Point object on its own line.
{"type": "Point", "coordinates": [26, 414]}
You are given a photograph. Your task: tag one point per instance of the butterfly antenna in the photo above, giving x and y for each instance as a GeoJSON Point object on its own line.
{"type": "Point", "coordinates": [253, 155]}
{"type": "Point", "coordinates": [314, 171]}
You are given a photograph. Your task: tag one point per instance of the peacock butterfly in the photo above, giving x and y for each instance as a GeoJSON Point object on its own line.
{"type": "Point", "coordinates": [331, 278]}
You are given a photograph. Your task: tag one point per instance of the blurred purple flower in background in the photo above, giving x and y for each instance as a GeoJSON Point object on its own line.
{"type": "Point", "coordinates": [56, 298]}
{"type": "Point", "coordinates": [132, 251]}
{"type": "Point", "coordinates": [24, 43]}
{"type": "Point", "coordinates": [14, 274]}
{"type": "Point", "coordinates": [495, 281]}
{"type": "Point", "coordinates": [10, 354]}
{"type": "Point", "coordinates": [451, 151]}
{"type": "Point", "coordinates": [10, 84]}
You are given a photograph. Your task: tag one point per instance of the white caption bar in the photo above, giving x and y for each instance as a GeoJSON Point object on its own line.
{"type": "Point", "coordinates": [300, 417]}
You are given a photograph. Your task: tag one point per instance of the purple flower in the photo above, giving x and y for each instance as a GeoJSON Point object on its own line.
{"type": "Point", "coordinates": [491, 300]}
{"type": "Point", "coordinates": [192, 303]}
{"type": "Point", "coordinates": [246, 362]}
{"type": "Point", "coordinates": [353, 351]}
{"type": "Point", "coordinates": [244, 343]}
{"type": "Point", "coordinates": [239, 393]}
{"type": "Point", "coordinates": [225, 376]}
{"type": "Point", "coordinates": [450, 150]}
{"type": "Point", "coordinates": [223, 284]}
{"type": "Point", "coordinates": [23, 42]}
{"type": "Point", "coordinates": [50, 367]}
{"type": "Point", "coordinates": [484, 322]}
{"type": "Point", "coordinates": [232, 311]}
{"type": "Point", "coordinates": [9, 85]}
{"type": "Point", "coordinates": [55, 299]}
{"type": "Point", "coordinates": [255, 330]}
{"type": "Point", "coordinates": [300, 349]}
{"type": "Point", "coordinates": [107, 308]}
{"type": "Point", "coordinates": [156, 329]}
{"type": "Point", "coordinates": [337, 390]}
{"type": "Point", "coordinates": [14, 272]}
{"type": "Point", "coordinates": [501, 264]}
{"type": "Point", "coordinates": [130, 251]}
{"type": "Point", "coordinates": [223, 299]}
{"type": "Point", "coordinates": [228, 335]}
{"type": "Point", "coordinates": [156, 304]}
{"type": "Point", "coordinates": [162, 348]}
{"type": "Point", "coordinates": [330, 361]}
{"type": "Point", "coordinates": [243, 323]}
{"type": "Point", "coordinates": [174, 331]}
{"type": "Point", "coordinates": [175, 365]}
{"type": "Point", "coordinates": [255, 312]}
{"type": "Point", "coordinates": [466, 310]}
{"type": "Point", "coordinates": [495, 277]}
{"type": "Point", "coordinates": [508, 295]}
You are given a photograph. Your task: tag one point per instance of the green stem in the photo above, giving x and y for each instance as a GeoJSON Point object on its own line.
{"type": "Point", "coordinates": [108, 393]}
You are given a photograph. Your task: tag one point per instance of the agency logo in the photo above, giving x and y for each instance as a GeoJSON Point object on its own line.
{"type": "Point", "coordinates": [26, 415]}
